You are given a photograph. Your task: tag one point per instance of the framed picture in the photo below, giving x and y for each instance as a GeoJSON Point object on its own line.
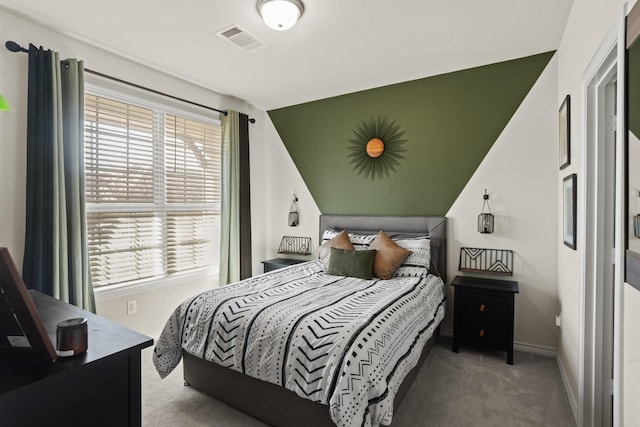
{"type": "Point", "coordinates": [569, 217]}
{"type": "Point", "coordinates": [21, 329]}
{"type": "Point", "coordinates": [564, 117]}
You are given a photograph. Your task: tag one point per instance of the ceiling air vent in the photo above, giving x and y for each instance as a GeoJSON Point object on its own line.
{"type": "Point", "coordinates": [240, 37]}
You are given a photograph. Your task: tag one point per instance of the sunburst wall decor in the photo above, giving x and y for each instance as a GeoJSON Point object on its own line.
{"type": "Point", "coordinates": [377, 147]}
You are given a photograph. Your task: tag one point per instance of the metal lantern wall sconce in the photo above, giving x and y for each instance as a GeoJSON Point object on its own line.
{"type": "Point", "coordinates": [485, 219]}
{"type": "Point", "coordinates": [294, 218]}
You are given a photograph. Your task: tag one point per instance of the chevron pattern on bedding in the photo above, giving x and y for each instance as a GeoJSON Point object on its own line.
{"type": "Point", "coordinates": [341, 341]}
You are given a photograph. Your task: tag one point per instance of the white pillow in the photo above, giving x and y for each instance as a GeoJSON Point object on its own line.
{"type": "Point", "coordinates": [328, 235]}
{"type": "Point", "coordinates": [416, 264]}
{"type": "Point", "coordinates": [359, 241]}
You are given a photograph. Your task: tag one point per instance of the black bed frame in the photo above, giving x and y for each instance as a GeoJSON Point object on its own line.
{"type": "Point", "coordinates": [278, 406]}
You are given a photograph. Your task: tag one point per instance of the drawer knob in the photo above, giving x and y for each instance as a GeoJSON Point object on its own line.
{"type": "Point", "coordinates": [482, 308]}
{"type": "Point", "coordinates": [482, 332]}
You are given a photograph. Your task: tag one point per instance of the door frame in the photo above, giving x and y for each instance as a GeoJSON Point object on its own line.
{"type": "Point", "coordinates": [606, 67]}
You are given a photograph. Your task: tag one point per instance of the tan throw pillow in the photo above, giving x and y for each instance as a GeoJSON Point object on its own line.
{"type": "Point", "coordinates": [389, 256]}
{"type": "Point", "coordinates": [341, 241]}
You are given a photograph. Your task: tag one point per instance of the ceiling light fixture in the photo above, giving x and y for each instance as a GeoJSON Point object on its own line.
{"type": "Point", "coordinates": [280, 15]}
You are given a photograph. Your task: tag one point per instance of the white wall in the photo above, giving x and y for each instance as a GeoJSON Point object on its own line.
{"type": "Point", "coordinates": [519, 175]}
{"type": "Point", "coordinates": [153, 306]}
{"type": "Point", "coordinates": [13, 129]}
{"type": "Point", "coordinates": [282, 180]}
{"type": "Point", "coordinates": [588, 26]}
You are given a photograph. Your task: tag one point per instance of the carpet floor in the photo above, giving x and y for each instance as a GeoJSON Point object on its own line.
{"type": "Point", "coordinates": [470, 388]}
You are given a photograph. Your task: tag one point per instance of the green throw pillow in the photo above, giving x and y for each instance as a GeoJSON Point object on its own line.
{"type": "Point", "coordinates": [344, 262]}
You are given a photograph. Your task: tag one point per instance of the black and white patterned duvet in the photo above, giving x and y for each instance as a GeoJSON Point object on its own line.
{"type": "Point", "coordinates": [344, 342]}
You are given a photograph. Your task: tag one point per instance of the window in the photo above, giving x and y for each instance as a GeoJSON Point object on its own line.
{"type": "Point", "coordinates": [152, 189]}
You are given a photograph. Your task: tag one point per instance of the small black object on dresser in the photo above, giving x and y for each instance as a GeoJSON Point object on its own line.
{"type": "Point", "coordinates": [276, 263]}
{"type": "Point", "coordinates": [483, 313]}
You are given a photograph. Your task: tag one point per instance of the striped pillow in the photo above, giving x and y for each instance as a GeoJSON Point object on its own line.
{"type": "Point", "coordinates": [359, 241]}
{"type": "Point", "coordinates": [416, 264]}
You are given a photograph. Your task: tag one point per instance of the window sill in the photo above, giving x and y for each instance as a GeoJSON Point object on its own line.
{"type": "Point", "coordinates": [115, 291]}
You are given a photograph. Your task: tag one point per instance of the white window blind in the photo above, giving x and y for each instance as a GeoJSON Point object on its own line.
{"type": "Point", "coordinates": [152, 190]}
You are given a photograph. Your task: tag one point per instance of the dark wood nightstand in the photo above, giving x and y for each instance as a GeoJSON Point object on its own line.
{"type": "Point", "coordinates": [483, 313]}
{"type": "Point", "coordinates": [276, 263]}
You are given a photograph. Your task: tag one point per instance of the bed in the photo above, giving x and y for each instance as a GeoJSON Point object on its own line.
{"type": "Point", "coordinates": [288, 390]}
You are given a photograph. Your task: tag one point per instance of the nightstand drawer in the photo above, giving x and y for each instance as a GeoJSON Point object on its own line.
{"type": "Point", "coordinates": [493, 334]}
{"type": "Point", "coordinates": [484, 306]}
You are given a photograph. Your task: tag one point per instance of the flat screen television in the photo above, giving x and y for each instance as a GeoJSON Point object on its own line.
{"type": "Point", "coordinates": [21, 328]}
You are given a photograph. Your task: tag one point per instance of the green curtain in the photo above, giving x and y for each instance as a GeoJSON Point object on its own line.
{"type": "Point", "coordinates": [235, 232]}
{"type": "Point", "coordinates": [230, 218]}
{"type": "Point", "coordinates": [56, 258]}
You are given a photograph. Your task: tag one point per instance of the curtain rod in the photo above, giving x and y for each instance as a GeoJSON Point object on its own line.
{"type": "Point", "coordinates": [15, 47]}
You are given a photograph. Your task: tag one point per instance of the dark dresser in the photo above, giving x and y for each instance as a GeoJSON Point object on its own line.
{"type": "Point", "coordinates": [101, 387]}
{"type": "Point", "coordinates": [483, 313]}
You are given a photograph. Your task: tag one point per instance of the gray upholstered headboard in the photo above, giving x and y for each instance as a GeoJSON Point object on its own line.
{"type": "Point", "coordinates": [434, 226]}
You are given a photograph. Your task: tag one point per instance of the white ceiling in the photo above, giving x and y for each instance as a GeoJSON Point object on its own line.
{"type": "Point", "coordinates": [337, 47]}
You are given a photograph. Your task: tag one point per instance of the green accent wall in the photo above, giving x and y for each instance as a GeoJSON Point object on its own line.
{"type": "Point", "coordinates": [450, 123]}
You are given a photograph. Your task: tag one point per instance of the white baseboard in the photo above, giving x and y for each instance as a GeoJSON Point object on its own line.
{"type": "Point", "coordinates": [535, 349]}
{"type": "Point", "coordinates": [573, 402]}
{"type": "Point", "coordinates": [519, 346]}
